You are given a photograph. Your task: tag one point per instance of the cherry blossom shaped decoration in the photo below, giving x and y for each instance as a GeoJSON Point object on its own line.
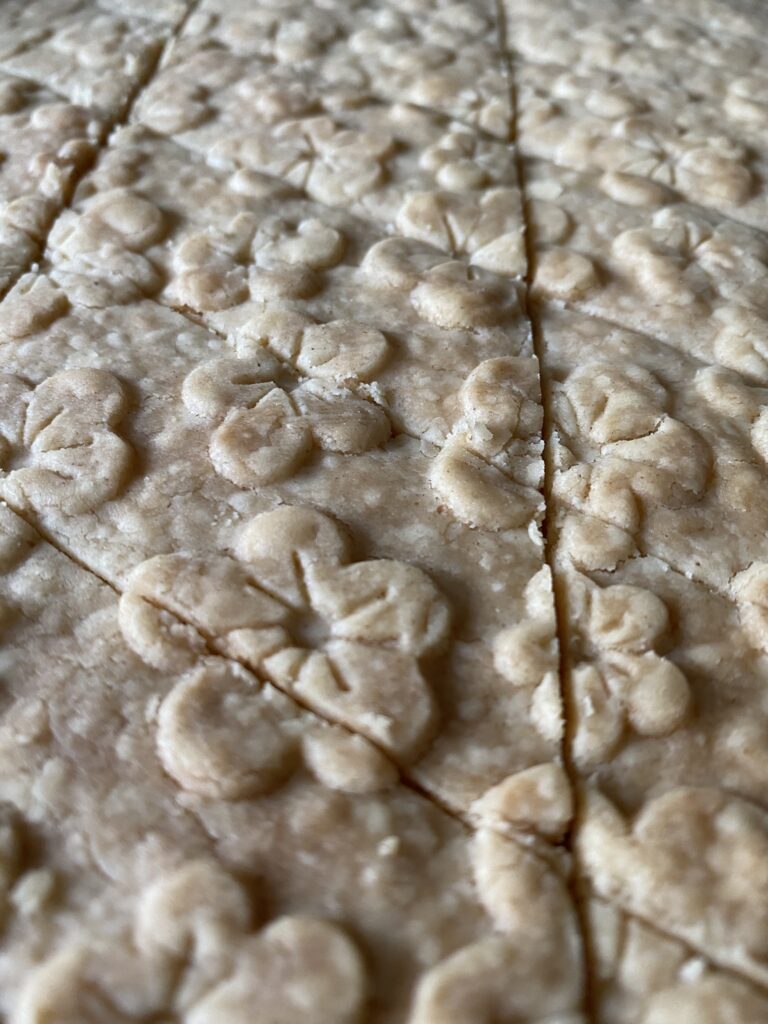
{"type": "Point", "coordinates": [265, 431]}
{"type": "Point", "coordinates": [620, 680]}
{"type": "Point", "coordinates": [645, 459]}
{"type": "Point", "coordinates": [344, 637]}
{"type": "Point", "coordinates": [490, 467]}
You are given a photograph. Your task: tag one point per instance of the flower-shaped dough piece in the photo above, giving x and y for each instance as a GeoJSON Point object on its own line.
{"type": "Point", "coordinates": [661, 980]}
{"type": "Point", "coordinates": [265, 432]}
{"type": "Point", "coordinates": [455, 162]}
{"type": "Point", "coordinates": [525, 654]}
{"type": "Point", "coordinates": [195, 958]}
{"type": "Point", "coordinates": [271, 258]}
{"type": "Point", "coordinates": [486, 226]}
{"type": "Point", "coordinates": [288, 257]}
{"type": "Point", "coordinates": [339, 351]}
{"type": "Point", "coordinates": [645, 459]}
{"type": "Point", "coordinates": [668, 259]}
{"type": "Point", "coordinates": [493, 981]}
{"type": "Point", "coordinates": [693, 263]}
{"type": "Point", "coordinates": [346, 637]}
{"type": "Point", "coordinates": [585, 122]}
{"type": "Point", "coordinates": [529, 973]}
{"type": "Point", "coordinates": [101, 253]}
{"type": "Point", "coordinates": [297, 970]}
{"type": "Point", "coordinates": [330, 163]}
{"type": "Point", "coordinates": [443, 292]}
{"type": "Point", "coordinates": [489, 469]}
{"type": "Point", "coordinates": [224, 734]}
{"type": "Point", "coordinates": [64, 426]}
{"type": "Point", "coordinates": [620, 680]}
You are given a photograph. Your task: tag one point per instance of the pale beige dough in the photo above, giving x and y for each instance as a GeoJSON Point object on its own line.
{"type": "Point", "coordinates": [44, 141]}
{"type": "Point", "coordinates": [654, 453]}
{"type": "Point", "coordinates": [262, 266]}
{"type": "Point", "coordinates": [620, 247]}
{"type": "Point", "coordinates": [46, 145]}
{"type": "Point", "coordinates": [273, 383]}
{"type": "Point", "coordinates": [660, 574]}
{"type": "Point", "coordinates": [287, 508]}
{"type": "Point", "coordinates": [591, 123]}
{"type": "Point", "coordinates": [168, 439]}
{"type": "Point", "coordinates": [440, 56]}
{"type": "Point", "coordinates": [743, 18]}
{"type": "Point", "coordinates": [651, 43]}
{"type": "Point", "coordinates": [689, 861]}
{"type": "Point", "coordinates": [412, 170]}
{"type": "Point", "coordinates": [92, 58]}
{"type": "Point", "coordinates": [166, 12]}
{"type": "Point", "coordinates": [642, 976]}
{"type": "Point", "coordinates": [293, 31]}
{"type": "Point", "coordinates": [673, 694]}
{"type": "Point", "coordinates": [666, 684]}
{"type": "Point", "coordinates": [24, 23]}
{"type": "Point", "coordinates": [439, 320]}
{"type": "Point", "coordinates": [278, 858]}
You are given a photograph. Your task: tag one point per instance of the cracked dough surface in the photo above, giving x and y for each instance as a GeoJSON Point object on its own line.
{"type": "Point", "coordinates": [383, 572]}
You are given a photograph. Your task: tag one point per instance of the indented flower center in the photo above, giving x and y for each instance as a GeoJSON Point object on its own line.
{"type": "Point", "coordinates": [309, 630]}
{"type": "Point", "coordinates": [16, 458]}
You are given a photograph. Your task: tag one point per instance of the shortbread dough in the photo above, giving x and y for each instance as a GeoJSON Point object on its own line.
{"type": "Point", "coordinates": [383, 569]}
{"type": "Point", "coordinates": [202, 842]}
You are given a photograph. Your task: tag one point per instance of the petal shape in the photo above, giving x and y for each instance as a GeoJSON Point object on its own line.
{"type": "Point", "coordinates": [340, 420]}
{"type": "Point", "coordinates": [297, 971]}
{"type": "Point", "coordinates": [219, 736]}
{"type": "Point", "coordinates": [378, 693]}
{"type": "Point", "coordinates": [261, 445]}
{"type": "Point", "coordinates": [280, 546]}
{"type": "Point", "coordinates": [381, 602]}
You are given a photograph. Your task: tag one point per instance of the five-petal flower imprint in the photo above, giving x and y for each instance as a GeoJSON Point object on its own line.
{"type": "Point", "coordinates": [490, 466]}
{"type": "Point", "coordinates": [344, 637]}
{"type": "Point", "coordinates": [265, 431]}
{"type": "Point", "coordinates": [619, 679]}
{"type": "Point", "coordinates": [194, 957]}
{"type": "Point", "coordinates": [637, 457]}
{"type": "Point", "coordinates": [64, 428]}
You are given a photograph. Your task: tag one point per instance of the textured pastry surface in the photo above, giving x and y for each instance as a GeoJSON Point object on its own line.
{"type": "Point", "coordinates": [383, 560]}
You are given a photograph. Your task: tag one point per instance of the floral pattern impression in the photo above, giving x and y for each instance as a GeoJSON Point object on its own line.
{"type": "Point", "coordinates": [345, 638]}
{"type": "Point", "coordinates": [266, 431]}
{"type": "Point", "coordinates": [620, 680]}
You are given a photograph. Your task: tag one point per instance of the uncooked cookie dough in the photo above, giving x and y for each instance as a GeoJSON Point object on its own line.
{"type": "Point", "coordinates": [383, 573]}
{"type": "Point", "coordinates": [645, 210]}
